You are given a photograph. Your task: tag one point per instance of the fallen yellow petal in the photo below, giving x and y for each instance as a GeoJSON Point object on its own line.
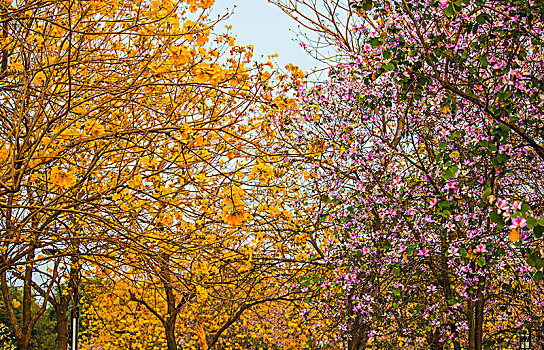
{"type": "Point", "coordinates": [514, 235]}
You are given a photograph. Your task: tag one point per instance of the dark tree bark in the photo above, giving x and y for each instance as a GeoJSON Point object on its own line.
{"type": "Point", "coordinates": [359, 337]}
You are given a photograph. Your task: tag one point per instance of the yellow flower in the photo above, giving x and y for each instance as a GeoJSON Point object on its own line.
{"type": "Point", "coordinates": [202, 72]}
{"type": "Point", "coordinates": [17, 66]}
{"type": "Point", "coordinates": [233, 196]}
{"type": "Point", "coordinates": [16, 303]}
{"type": "Point", "coordinates": [202, 294]}
{"type": "Point", "coordinates": [62, 179]}
{"type": "Point", "coordinates": [96, 129]}
{"type": "Point", "coordinates": [4, 153]}
{"type": "Point", "coordinates": [39, 78]}
{"type": "Point", "coordinates": [263, 170]}
{"type": "Point", "coordinates": [454, 154]}
{"type": "Point", "coordinates": [233, 216]}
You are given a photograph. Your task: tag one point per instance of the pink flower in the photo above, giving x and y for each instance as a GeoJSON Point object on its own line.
{"type": "Point", "coordinates": [453, 251]}
{"type": "Point", "coordinates": [481, 248]}
{"type": "Point", "coordinates": [502, 205]}
{"type": "Point", "coordinates": [326, 284]}
{"type": "Point", "coordinates": [518, 222]}
{"type": "Point", "coordinates": [423, 252]}
{"type": "Point", "coordinates": [516, 206]}
{"type": "Point", "coordinates": [433, 202]}
{"type": "Point", "coordinates": [402, 249]}
{"type": "Point", "coordinates": [449, 186]}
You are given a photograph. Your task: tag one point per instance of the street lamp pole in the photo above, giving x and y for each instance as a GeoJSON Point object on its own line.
{"type": "Point", "coordinates": [75, 308]}
{"type": "Point", "coordinates": [525, 340]}
{"type": "Point", "coordinates": [75, 317]}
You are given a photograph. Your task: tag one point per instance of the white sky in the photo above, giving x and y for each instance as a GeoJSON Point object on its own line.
{"type": "Point", "coordinates": [268, 29]}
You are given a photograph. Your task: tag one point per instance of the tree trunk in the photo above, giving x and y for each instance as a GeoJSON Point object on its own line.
{"type": "Point", "coordinates": [173, 309]}
{"type": "Point", "coordinates": [23, 342]}
{"type": "Point", "coordinates": [479, 317]}
{"type": "Point", "coordinates": [170, 335]}
{"type": "Point", "coordinates": [62, 327]}
{"type": "Point", "coordinates": [359, 337]}
{"type": "Point", "coordinates": [445, 283]}
{"type": "Point", "coordinates": [27, 301]}
{"type": "Point", "coordinates": [433, 339]}
{"type": "Point", "coordinates": [476, 316]}
{"type": "Point", "coordinates": [471, 317]}
{"type": "Point", "coordinates": [22, 333]}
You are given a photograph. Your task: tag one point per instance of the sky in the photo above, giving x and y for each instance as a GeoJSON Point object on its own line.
{"type": "Point", "coordinates": [268, 29]}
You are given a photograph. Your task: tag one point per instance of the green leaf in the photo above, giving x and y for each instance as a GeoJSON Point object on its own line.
{"type": "Point", "coordinates": [463, 252]}
{"type": "Point", "coordinates": [483, 61]}
{"type": "Point", "coordinates": [375, 42]}
{"type": "Point", "coordinates": [367, 5]}
{"type": "Point", "coordinates": [497, 218]}
{"type": "Point", "coordinates": [525, 208]}
{"type": "Point", "coordinates": [486, 194]}
{"type": "Point", "coordinates": [396, 272]}
{"type": "Point", "coordinates": [531, 260]}
{"type": "Point", "coordinates": [499, 252]}
{"type": "Point", "coordinates": [484, 143]}
{"type": "Point", "coordinates": [446, 213]}
{"type": "Point", "coordinates": [448, 174]}
{"type": "Point", "coordinates": [386, 55]}
{"type": "Point", "coordinates": [449, 11]}
{"type": "Point", "coordinates": [500, 159]}
{"type": "Point", "coordinates": [538, 231]}
{"type": "Point", "coordinates": [531, 222]}
{"type": "Point", "coordinates": [539, 263]}
{"type": "Point", "coordinates": [389, 66]}
{"type": "Point", "coordinates": [480, 261]}
{"type": "Point", "coordinates": [537, 276]}
{"type": "Point", "coordinates": [454, 135]}
{"type": "Point", "coordinates": [443, 204]}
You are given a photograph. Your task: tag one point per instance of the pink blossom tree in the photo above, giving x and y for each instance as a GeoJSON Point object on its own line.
{"type": "Point", "coordinates": [430, 166]}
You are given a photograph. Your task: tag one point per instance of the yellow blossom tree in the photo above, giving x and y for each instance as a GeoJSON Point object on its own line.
{"type": "Point", "coordinates": [124, 126]}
